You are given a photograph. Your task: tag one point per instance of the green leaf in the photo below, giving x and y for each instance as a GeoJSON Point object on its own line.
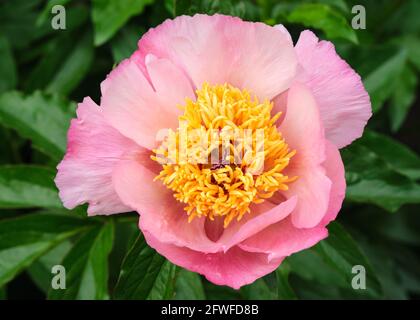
{"type": "Point", "coordinates": [24, 239]}
{"type": "Point", "coordinates": [403, 98]}
{"type": "Point", "coordinates": [189, 286]}
{"type": "Point", "coordinates": [126, 233]}
{"type": "Point", "coordinates": [370, 180]}
{"type": "Point", "coordinates": [284, 290]}
{"type": "Point", "coordinates": [8, 73]}
{"type": "Point", "coordinates": [412, 44]}
{"type": "Point", "coordinates": [65, 60]}
{"type": "Point", "coordinates": [74, 68]}
{"type": "Point", "coordinates": [125, 43]}
{"type": "Point", "coordinates": [3, 293]}
{"type": "Point", "coordinates": [382, 172]}
{"type": "Point", "coordinates": [86, 266]}
{"type": "Point", "coordinates": [339, 4]}
{"type": "Point", "coordinates": [17, 22]}
{"type": "Point", "coordinates": [229, 7]}
{"type": "Point", "coordinates": [27, 186]}
{"type": "Point", "coordinates": [145, 274]}
{"type": "Point", "coordinates": [108, 16]}
{"type": "Point", "coordinates": [215, 292]}
{"type": "Point", "coordinates": [387, 273]}
{"type": "Point", "coordinates": [309, 266]}
{"type": "Point", "coordinates": [258, 290]}
{"type": "Point", "coordinates": [398, 228]}
{"type": "Point", "coordinates": [342, 253]}
{"type": "Point", "coordinates": [41, 118]}
{"type": "Point", "coordinates": [397, 156]}
{"type": "Point", "coordinates": [40, 270]}
{"type": "Point", "coordinates": [406, 19]}
{"type": "Point", "coordinates": [177, 7]}
{"type": "Point", "coordinates": [381, 82]}
{"type": "Point", "coordinates": [325, 18]}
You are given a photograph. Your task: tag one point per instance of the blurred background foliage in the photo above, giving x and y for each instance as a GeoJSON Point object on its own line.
{"type": "Point", "coordinates": [45, 72]}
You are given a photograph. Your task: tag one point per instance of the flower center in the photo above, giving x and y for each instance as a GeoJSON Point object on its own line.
{"type": "Point", "coordinates": [225, 155]}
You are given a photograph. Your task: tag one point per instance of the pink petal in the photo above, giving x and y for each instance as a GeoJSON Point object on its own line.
{"type": "Point", "coordinates": [335, 172]}
{"type": "Point", "coordinates": [138, 105]}
{"type": "Point", "coordinates": [260, 217]}
{"type": "Point", "coordinates": [160, 214]}
{"type": "Point", "coordinates": [280, 105]}
{"type": "Point", "coordinates": [234, 268]}
{"type": "Point", "coordinates": [302, 130]}
{"type": "Point", "coordinates": [219, 49]}
{"type": "Point", "coordinates": [343, 101]}
{"type": "Point", "coordinates": [94, 148]}
{"type": "Point", "coordinates": [283, 238]}
{"type": "Point", "coordinates": [284, 30]}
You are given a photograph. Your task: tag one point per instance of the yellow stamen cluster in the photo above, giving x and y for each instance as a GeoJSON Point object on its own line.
{"type": "Point", "coordinates": [226, 154]}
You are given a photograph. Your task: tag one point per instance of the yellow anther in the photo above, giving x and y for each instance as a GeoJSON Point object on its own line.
{"type": "Point", "coordinates": [249, 169]}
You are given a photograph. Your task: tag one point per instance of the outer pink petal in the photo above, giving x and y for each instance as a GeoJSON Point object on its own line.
{"type": "Point", "coordinates": [219, 49]}
{"type": "Point", "coordinates": [161, 215]}
{"type": "Point", "coordinates": [283, 238]}
{"type": "Point", "coordinates": [140, 105]}
{"type": "Point", "coordinates": [284, 30]}
{"type": "Point", "coordinates": [94, 148]}
{"type": "Point", "coordinates": [302, 130]}
{"type": "Point", "coordinates": [261, 216]}
{"type": "Point", "coordinates": [335, 172]}
{"type": "Point", "coordinates": [234, 268]}
{"type": "Point", "coordinates": [343, 101]}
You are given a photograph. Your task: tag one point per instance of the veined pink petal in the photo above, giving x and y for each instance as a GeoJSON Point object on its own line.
{"type": "Point", "coordinates": [93, 150]}
{"type": "Point", "coordinates": [219, 49]}
{"type": "Point", "coordinates": [342, 99]}
{"type": "Point", "coordinates": [335, 172]}
{"type": "Point", "coordinates": [283, 238]}
{"type": "Point", "coordinates": [283, 30]}
{"type": "Point", "coordinates": [303, 132]}
{"type": "Point", "coordinates": [139, 106]}
{"type": "Point", "coordinates": [261, 216]}
{"type": "Point", "coordinates": [234, 268]}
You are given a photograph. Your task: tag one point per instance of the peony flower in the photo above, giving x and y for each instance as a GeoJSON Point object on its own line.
{"type": "Point", "coordinates": [232, 221]}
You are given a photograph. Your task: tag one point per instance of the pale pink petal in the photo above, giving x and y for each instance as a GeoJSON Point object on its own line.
{"type": "Point", "coordinates": [260, 217]}
{"type": "Point", "coordinates": [335, 172]}
{"type": "Point", "coordinates": [93, 150]}
{"type": "Point", "coordinates": [342, 99]}
{"type": "Point", "coordinates": [234, 268]}
{"type": "Point", "coordinates": [280, 105]}
{"type": "Point", "coordinates": [160, 213]}
{"type": "Point", "coordinates": [303, 132]}
{"type": "Point", "coordinates": [283, 238]}
{"type": "Point", "coordinates": [284, 30]}
{"type": "Point", "coordinates": [219, 49]}
{"type": "Point", "coordinates": [138, 105]}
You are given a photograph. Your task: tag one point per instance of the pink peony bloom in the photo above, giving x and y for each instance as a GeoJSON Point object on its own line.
{"type": "Point", "coordinates": [214, 72]}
